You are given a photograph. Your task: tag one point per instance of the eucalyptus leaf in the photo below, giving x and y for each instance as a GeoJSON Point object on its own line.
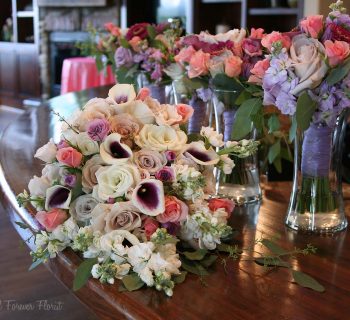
{"type": "Point", "coordinates": [195, 255]}
{"type": "Point", "coordinates": [271, 262]}
{"type": "Point", "coordinates": [339, 73]}
{"type": "Point", "coordinates": [305, 110]}
{"type": "Point", "coordinates": [273, 247]}
{"type": "Point", "coordinates": [208, 261]}
{"type": "Point", "coordinates": [132, 282]}
{"type": "Point", "coordinates": [307, 281]}
{"type": "Point", "coordinates": [180, 277]}
{"type": "Point", "coordinates": [83, 273]}
{"type": "Point", "coordinates": [193, 267]}
{"type": "Point", "coordinates": [274, 151]}
{"type": "Point", "coordinates": [273, 123]}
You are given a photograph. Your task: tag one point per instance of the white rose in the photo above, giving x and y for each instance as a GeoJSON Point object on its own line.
{"type": "Point", "coordinates": [70, 136]}
{"type": "Point", "coordinates": [307, 55]}
{"type": "Point", "coordinates": [51, 172]}
{"type": "Point", "coordinates": [115, 181]}
{"type": "Point", "coordinates": [81, 208]}
{"type": "Point", "coordinates": [97, 108]}
{"type": "Point", "coordinates": [86, 145]}
{"type": "Point", "coordinates": [47, 152]}
{"type": "Point", "coordinates": [214, 138]}
{"type": "Point", "coordinates": [161, 138]}
{"type": "Point", "coordinates": [98, 215]}
{"type": "Point", "coordinates": [38, 185]}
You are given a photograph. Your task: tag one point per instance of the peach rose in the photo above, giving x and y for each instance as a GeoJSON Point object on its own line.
{"type": "Point", "coordinates": [135, 43]}
{"type": "Point", "coordinates": [185, 111]}
{"type": "Point", "coordinates": [175, 210]}
{"type": "Point", "coordinates": [52, 219]}
{"type": "Point", "coordinates": [336, 52]}
{"type": "Point", "coordinates": [273, 37]}
{"type": "Point", "coordinates": [150, 226]}
{"type": "Point", "coordinates": [233, 66]}
{"type": "Point", "coordinates": [143, 94]}
{"type": "Point", "coordinates": [256, 33]}
{"type": "Point", "coordinates": [258, 71]}
{"type": "Point", "coordinates": [185, 55]}
{"type": "Point", "coordinates": [69, 156]}
{"type": "Point", "coordinates": [312, 25]}
{"type": "Point", "coordinates": [113, 29]}
{"type": "Point", "coordinates": [226, 204]}
{"type": "Point", "coordinates": [199, 64]}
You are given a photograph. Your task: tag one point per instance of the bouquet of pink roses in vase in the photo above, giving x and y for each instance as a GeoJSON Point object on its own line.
{"type": "Point", "coordinates": [308, 79]}
{"type": "Point", "coordinates": [126, 189]}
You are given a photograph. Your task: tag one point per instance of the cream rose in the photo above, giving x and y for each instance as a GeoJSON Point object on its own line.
{"type": "Point", "coordinates": [90, 168]}
{"type": "Point", "coordinates": [47, 152]}
{"type": "Point", "coordinates": [161, 138]}
{"type": "Point", "coordinates": [152, 161]}
{"type": "Point", "coordinates": [307, 56]}
{"type": "Point", "coordinates": [86, 145]}
{"type": "Point", "coordinates": [115, 181]}
{"type": "Point", "coordinates": [124, 124]}
{"type": "Point", "coordinates": [97, 108]}
{"type": "Point", "coordinates": [81, 208]}
{"type": "Point", "coordinates": [167, 115]}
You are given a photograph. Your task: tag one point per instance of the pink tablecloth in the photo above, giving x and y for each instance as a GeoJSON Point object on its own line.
{"type": "Point", "coordinates": [81, 73]}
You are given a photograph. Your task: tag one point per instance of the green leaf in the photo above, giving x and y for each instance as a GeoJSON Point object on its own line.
{"type": "Point", "coordinates": [35, 264]}
{"type": "Point", "coordinates": [278, 164]}
{"type": "Point", "coordinates": [158, 44]}
{"type": "Point", "coordinates": [224, 82]}
{"type": "Point", "coordinates": [339, 73]}
{"type": "Point", "coordinates": [151, 31]}
{"type": "Point", "coordinates": [273, 247]}
{"type": "Point", "coordinates": [293, 129]}
{"type": "Point", "coordinates": [124, 43]}
{"type": "Point", "coordinates": [132, 282]}
{"type": "Point", "coordinates": [271, 262]}
{"type": "Point", "coordinates": [180, 277]}
{"type": "Point", "coordinates": [193, 267]}
{"type": "Point", "coordinates": [122, 288]}
{"type": "Point", "coordinates": [273, 123]}
{"type": "Point", "coordinates": [243, 120]}
{"type": "Point", "coordinates": [194, 83]}
{"type": "Point", "coordinates": [77, 190]}
{"type": "Point", "coordinates": [274, 151]}
{"type": "Point", "coordinates": [195, 255]}
{"type": "Point", "coordinates": [208, 261]}
{"type": "Point", "coordinates": [223, 247]}
{"type": "Point", "coordinates": [307, 281]}
{"type": "Point", "coordinates": [22, 225]}
{"type": "Point", "coordinates": [286, 154]}
{"type": "Point", "coordinates": [83, 273]}
{"type": "Point", "coordinates": [305, 110]}
{"type": "Point", "coordinates": [99, 63]}
{"type": "Point", "coordinates": [245, 95]}
{"type": "Point", "coordinates": [122, 77]}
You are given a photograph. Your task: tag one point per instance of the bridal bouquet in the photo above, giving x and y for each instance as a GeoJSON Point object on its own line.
{"type": "Point", "coordinates": [142, 48]}
{"type": "Point", "coordinates": [126, 188]}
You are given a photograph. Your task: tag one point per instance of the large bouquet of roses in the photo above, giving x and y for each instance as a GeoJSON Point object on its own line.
{"type": "Point", "coordinates": [142, 48]}
{"type": "Point", "coordinates": [124, 185]}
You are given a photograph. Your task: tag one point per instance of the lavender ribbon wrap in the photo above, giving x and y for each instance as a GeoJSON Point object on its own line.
{"type": "Point", "coordinates": [228, 121]}
{"type": "Point", "coordinates": [158, 92]}
{"type": "Point", "coordinates": [316, 151]}
{"type": "Point", "coordinates": [198, 118]}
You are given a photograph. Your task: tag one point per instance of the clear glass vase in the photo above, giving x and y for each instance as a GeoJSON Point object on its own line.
{"type": "Point", "coordinates": [160, 91]}
{"type": "Point", "coordinates": [203, 111]}
{"type": "Point", "coordinates": [316, 202]}
{"type": "Point", "coordinates": [242, 185]}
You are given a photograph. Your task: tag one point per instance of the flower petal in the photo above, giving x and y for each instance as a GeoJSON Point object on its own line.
{"type": "Point", "coordinates": [58, 197]}
{"type": "Point", "coordinates": [113, 151]}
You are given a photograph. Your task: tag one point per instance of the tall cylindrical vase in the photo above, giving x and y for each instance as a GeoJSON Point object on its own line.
{"type": "Point", "coordinates": [202, 110]}
{"type": "Point", "coordinates": [316, 202]}
{"type": "Point", "coordinates": [242, 185]}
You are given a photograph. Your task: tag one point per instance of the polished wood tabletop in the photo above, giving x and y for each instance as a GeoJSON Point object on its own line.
{"type": "Point", "coordinates": [244, 291]}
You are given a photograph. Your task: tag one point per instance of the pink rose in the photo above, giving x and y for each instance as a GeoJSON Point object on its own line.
{"type": "Point", "coordinates": [69, 156]}
{"type": "Point", "coordinates": [226, 204]}
{"type": "Point", "coordinates": [258, 71]}
{"type": "Point", "coordinates": [150, 226]}
{"type": "Point", "coordinates": [336, 51]}
{"type": "Point", "coordinates": [135, 43]}
{"type": "Point", "coordinates": [175, 210]}
{"type": "Point", "coordinates": [312, 25]}
{"type": "Point", "coordinates": [185, 55]}
{"type": "Point", "coordinates": [143, 94]}
{"type": "Point", "coordinates": [269, 39]}
{"type": "Point", "coordinates": [185, 111]}
{"type": "Point", "coordinates": [257, 33]}
{"type": "Point", "coordinates": [252, 47]}
{"type": "Point", "coordinates": [52, 219]}
{"type": "Point", "coordinates": [233, 66]}
{"type": "Point", "coordinates": [199, 64]}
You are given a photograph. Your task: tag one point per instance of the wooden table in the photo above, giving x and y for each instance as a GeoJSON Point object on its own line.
{"type": "Point", "coordinates": [247, 291]}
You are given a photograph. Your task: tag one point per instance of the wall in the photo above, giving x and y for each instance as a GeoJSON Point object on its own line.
{"type": "Point", "coordinates": [321, 6]}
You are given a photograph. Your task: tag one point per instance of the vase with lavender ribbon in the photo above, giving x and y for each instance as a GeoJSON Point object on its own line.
{"type": "Point", "coordinates": [161, 91]}
{"type": "Point", "coordinates": [242, 185]}
{"type": "Point", "coordinates": [316, 202]}
{"type": "Point", "coordinates": [199, 100]}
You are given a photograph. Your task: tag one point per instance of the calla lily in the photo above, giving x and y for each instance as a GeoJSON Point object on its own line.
{"type": "Point", "coordinates": [198, 153]}
{"type": "Point", "coordinates": [122, 94]}
{"type": "Point", "coordinates": [113, 151]}
{"type": "Point", "coordinates": [148, 197]}
{"type": "Point", "coordinates": [58, 197]}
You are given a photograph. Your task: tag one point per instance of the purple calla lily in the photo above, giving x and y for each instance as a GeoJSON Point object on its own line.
{"type": "Point", "coordinates": [113, 151]}
{"type": "Point", "coordinates": [58, 197]}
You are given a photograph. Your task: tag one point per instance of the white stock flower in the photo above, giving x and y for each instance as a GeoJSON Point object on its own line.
{"type": "Point", "coordinates": [227, 164]}
{"type": "Point", "coordinates": [139, 254]}
{"type": "Point", "coordinates": [38, 185]}
{"type": "Point", "coordinates": [86, 145]}
{"type": "Point", "coordinates": [161, 138]}
{"type": "Point", "coordinates": [47, 152]}
{"type": "Point", "coordinates": [214, 138]}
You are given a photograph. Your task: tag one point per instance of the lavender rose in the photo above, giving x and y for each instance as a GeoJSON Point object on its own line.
{"type": "Point", "coordinates": [152, 161]}
{"type": "Point", "coordinates": [123, 57]}
{"type": "Point", "coordinates": [97, 129]}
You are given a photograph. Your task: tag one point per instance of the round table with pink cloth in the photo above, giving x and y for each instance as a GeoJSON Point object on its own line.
{"type": "Point", "coordinates": [81, 73]}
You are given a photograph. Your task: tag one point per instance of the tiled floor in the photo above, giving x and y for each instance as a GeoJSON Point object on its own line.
{"type": "Point", "coordinates": [36, 290]}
